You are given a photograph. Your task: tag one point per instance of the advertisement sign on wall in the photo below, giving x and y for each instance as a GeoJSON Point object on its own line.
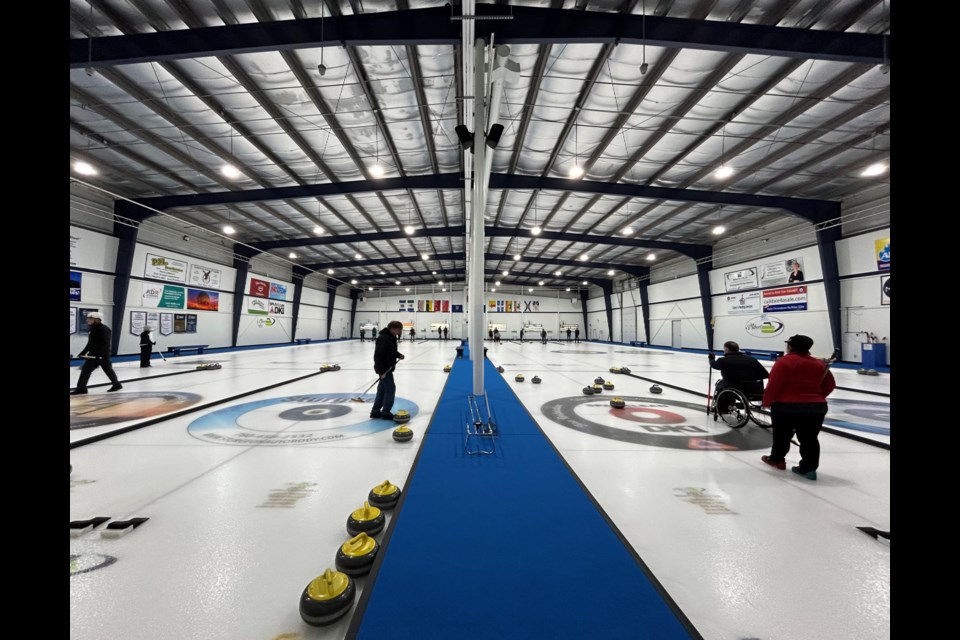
{"type": "Point", "coordinates": [75, 285]}
{"type": "Point", "coordinates": [73, 320]}
{"type": "Point", "coordinates": [256, 306]}
{"type": "Point", "coordinates": [179, 323]}
{"type": "Point", "coordinates": [764, 326]}
{"type": "Point", "coordinates": [882, 250]}
{"type": "Point", "coordinates": [163, 296]}
{"type": "Point", "coordinates": [742, 279]}
{"type": "Point", "coordinates": [785, 299]}
{"type": "Point", "coordinates": [743, 303]}
{"type": "Point", "coordinates": [774, 273]}
{"type": "Point", "coordinates": [82, 326]}
{"type": "Point", "coordinates": [259, 288]}
{"type": "Point", "coordinates": [278, 291]}
{"type": "Point", "coordinates": [162, 268]}
{"type": "Point", "coordinates": [204, 276]}
{"type": "Point", "coordinates": [166, 324]}
{"type": "Point", "coordinates": [191, 323]}
{"type": "Point", "coordinates": [203, 300]}
{"type": "Point", "coordinates": [885, 290]}
{"type": "Point", "coordinates": [138, 320]}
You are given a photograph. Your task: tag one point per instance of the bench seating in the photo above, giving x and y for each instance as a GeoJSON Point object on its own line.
{"type": "Point", "coordinates": [303, 340]}
{"type": "Point", "coordinates": [180, 349]}
{"type": "Point", "coordinates": [762, 353]}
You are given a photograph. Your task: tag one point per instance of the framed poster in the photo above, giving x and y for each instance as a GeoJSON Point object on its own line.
{"type": "Point", "coordinates": [73, 320]}
{"type": "Point", "coordinates": [204, 276]}
{"type": "Point", "coordinates": [203, 300]}
{"type": "Point", "coordinates": [885, 290]}
{"type": "Point", "coordinates": [179, 323]}
{"type": "Point", "coordinates": [166, 324]}
{"type": "Point", "coordinates": [742, 279]}
{"type": "Point", "coordinates": [191, 323]}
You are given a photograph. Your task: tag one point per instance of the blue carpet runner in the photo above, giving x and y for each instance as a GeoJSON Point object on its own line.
{"type": "Point", "coordinates": [504, 546]}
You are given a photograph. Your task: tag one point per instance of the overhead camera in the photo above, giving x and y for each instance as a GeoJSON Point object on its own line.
{"type": "Point", "coordinates": [186, 238]}
{"type": "Point", "coordinates": [322, 68]}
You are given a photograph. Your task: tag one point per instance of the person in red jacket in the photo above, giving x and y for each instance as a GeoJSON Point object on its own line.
{"type": "Point", "coordinates": [796, 395]}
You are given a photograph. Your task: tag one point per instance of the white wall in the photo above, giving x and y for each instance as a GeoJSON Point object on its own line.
{"type": "Point", "coordinates": [860, 307]}
{"type": "Point", "coordinates": [312, 317]}
{"type": "Point", "coordinates": [340, 322]}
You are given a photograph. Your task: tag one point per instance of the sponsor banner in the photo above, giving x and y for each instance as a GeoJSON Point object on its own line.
{"type": "Point", "coordinates": [419, 305]}
{"type": "Point", "coordinates": [882, 250]}
{"type": "Point", "coordinates": [785, 299]}
{"type": "Point", "coordinates": [774, 273]}
{"type": "Point", "coordinates": [179, 323]}
{"type": "Point", "coordinates": [203, 300]}
{"type": "Point", "coordinates": [456, 308]}
{"type": "Point", "coordinates": [884, 289]}
{"type": "Point", "coordinates": [166, 324]}
{"type": "Point", "coordinates": [266, 322]}
{"type": "Point", "coordinates": [73, 320]}
{"type": "Point", "coordinates": [742, 279]}
{"type": "Point", "coordinates": [153, 320]}
{"type": "Point", "coordinates": [446, 306]}
{"type": "Point", "coordinates": [259, 288]}
{"type": "Point", "coordinates": [256, 306]}
{"type": "Point", "coordinates": [403, 305]}
{"type": "Point", "coordinates": [76, 278]}
{"type": "Point", "coordinates": [764, 326]}
{"type": "Point", "coordinates": [161, 268]}
{"type": "Point", "coordinates": [205, 276]}
{"type": "Point", "coordinates": [743, 303]}
{"type": "Point", "coordinates": [278, 291]}
{"type": "Point", "coordinates": [191, 323]}
{"type": "Point", "coordinates": [138, 320]}
{"type": "Point", "coordinates": [163, 296]}
{"type": "Point", "coordinates": [276, 308]}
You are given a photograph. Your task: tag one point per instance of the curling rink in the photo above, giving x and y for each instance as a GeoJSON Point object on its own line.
{"type": "Point", "coordinates": [248, 473]}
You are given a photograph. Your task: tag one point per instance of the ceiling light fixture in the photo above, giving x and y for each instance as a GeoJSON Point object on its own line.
{"type": "Point", "coordinates": [318, 230]}
{"type": "Point", "coordinates": [292, 255]}
{"type": "Point", "coordinates": [611, 272]}
{"type": "Point", "coordinates": [628, 231]}
{"type": "Point", "coordinates": [424, 256]}
{"type": "Point", "coordinates": [505, 272]}
{"type": "Point", "coordinates": [353, 282]}
{"type": "Point", "coordinates": [584, 283]}
{"type": "Point", "coordinates": [576, 171]}
{"type": "Point", "coordinates": [376, 170]}
{"type": "Point", "coordinates": [84, 168]}
{"type": "Point", "coordinates": [230, 171]}
{"type": "Point", "coordinates": [540, 284]}
{"type": "Point", "coordinates": [536, 227]}
{"type": "Point", "coordinates": [651, 257]}
{"type": "Point", "coordinates": [717, 230]}
{"type": "Point", "coordinates": [585, 257]}
{"type": "Point", "coordinates": [398, 282]}
{"type": "Point", "coordinates": [227, 229]}
{"type": "Point", "coordinates": [874, 170]}
{"type": "Point", "coordinates": [330, 271]}
{"type": "Point", "coordinates": [497, 283]}
{"type": "Point", "coordinates": [357, 256]}
{"type": "Point", "coordinates": [723, 171]}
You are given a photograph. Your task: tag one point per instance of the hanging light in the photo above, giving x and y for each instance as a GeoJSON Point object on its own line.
{"type": "Point", "coordinates": [723, 171]}
{"type": "Point", "coordinates": [227, 229]}
{"type": "Point", "coordinates": [576, 171]}
{"type": "Point", "coordinates": [84, 168]}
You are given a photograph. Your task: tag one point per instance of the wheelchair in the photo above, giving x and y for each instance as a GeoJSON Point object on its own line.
{"type": "Point", "coordinates": [740, 405]}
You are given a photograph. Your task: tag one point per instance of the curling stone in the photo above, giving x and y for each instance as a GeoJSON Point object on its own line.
{"type": "Point", "coordinates": [535, 379]}
{"type": "Point", "coordinates": [385, 495]}
{"type": "Point", "coordinates": [447, 368]}
{"type": "Point", "coordinates": [518, 377]}
{"type": "Point", "coordinates": [588, 391]}
{"type": "Point", "coordinates": [617, 402]}
{"type": "Point", "coordinates": [624, 370]}
{"type": "Point", "coordinates": [656, 389]}
{"type": "Point", "coordinates": [597, 388]}
{"type": "Point", "coordinates": [608, 385]}
{"type": "Point", "coordinates": [615, 369]}
{"type": "Point", "coordinates": [366, 519]}
{"type": "Point", "coordinates": [356, 555]}
{"type": "Point", "coordinates": [872, 372]}
{"type": "Point", "coordinates": [403, 434]}
{"type": "Point", "coordinates": [327, 598]}
{"type": "Point", "coordinates": [335, 367]}
{"type": "Point", "coordinates": [499, 369]}
{"type": "Point", "coordinates": [401, 416]}
{"type": "Point", "coordinates": [598, 380]}
{"type": "Point", "coordinates": [325, 367]}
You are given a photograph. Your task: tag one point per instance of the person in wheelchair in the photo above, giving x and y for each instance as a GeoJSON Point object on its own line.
{"type": "Point", "coordinates": [738, 371]}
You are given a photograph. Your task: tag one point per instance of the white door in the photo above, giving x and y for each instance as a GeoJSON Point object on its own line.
{"type": "Point", "coordinates": [456, 326]}
{"type": "Point", "coordinates": [675, 326]}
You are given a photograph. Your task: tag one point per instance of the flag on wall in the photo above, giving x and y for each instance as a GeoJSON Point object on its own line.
{"type": "Point", "coordinates": [446, 306]}
{"type": "Point", "coordinates": [419, 305]}
{"type": "Point", "coordinates": [436, 305]}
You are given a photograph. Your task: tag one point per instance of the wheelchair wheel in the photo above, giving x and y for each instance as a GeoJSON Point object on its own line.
{"type": "Point", "coordinates": [760, 417]}
{"type": "Point", "coordinates": [736, 413]}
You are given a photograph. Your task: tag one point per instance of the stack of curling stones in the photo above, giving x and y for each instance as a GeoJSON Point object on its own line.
{"type": "Point", "coordinates": [608, 385]}
{"type": "Point", "coordinates": [656, 389]}
{"type": "Point", "coordinates": [447, 368]}
{"type": "Point", "coordinates": [617, 402]}
{"type": "Point", "coordinates": [366, 519]}
{"type": "Point", "coordinates": [329, 367]}
{"type": "Point", "coordinates": [355, 556]}
{"type": "Point", "coordinates": [327, 598]}
{"type": "Point", "coordinates": [499, 369]}
{"type": "Point", "coordinates": [384, 496]}
{"type": "Point", "coordinates": [535, 379]}
{"type": "Point", "coordinates": [518, 377]}
{"type": "Point", "coordinates": [208, 365]}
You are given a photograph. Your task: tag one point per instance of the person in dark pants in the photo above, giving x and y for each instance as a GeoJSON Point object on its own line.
{"type": "Point", "coordinates": [576, 336]}
{"type": "Point", "coordinates": [521, 334]}
{"type": "Point", "coordinates": [363, 332]}
{"type": "Point", "coordinates": [385, 357]}
{"type": "Point", "coordinates": [439, 333]}
{"type": "Point", "coordinates": [97, 353]}
{"type": "Point", "coordinates": [446, 333]}
{"type": "Point", "coordinates": [146, 346]}
{"type": "Point", "coordinates": [413, 334]}
{"type": "Point", "coordinates": [797, 397]}
{"type": "Point", "coordinates": [490, 334]}
{"type": "Point", "coordinates": [568, 334]}
{"type": "Point", "coordinates": [737, 371]}
{"type": "Point", "coordinates": [543, 336]}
